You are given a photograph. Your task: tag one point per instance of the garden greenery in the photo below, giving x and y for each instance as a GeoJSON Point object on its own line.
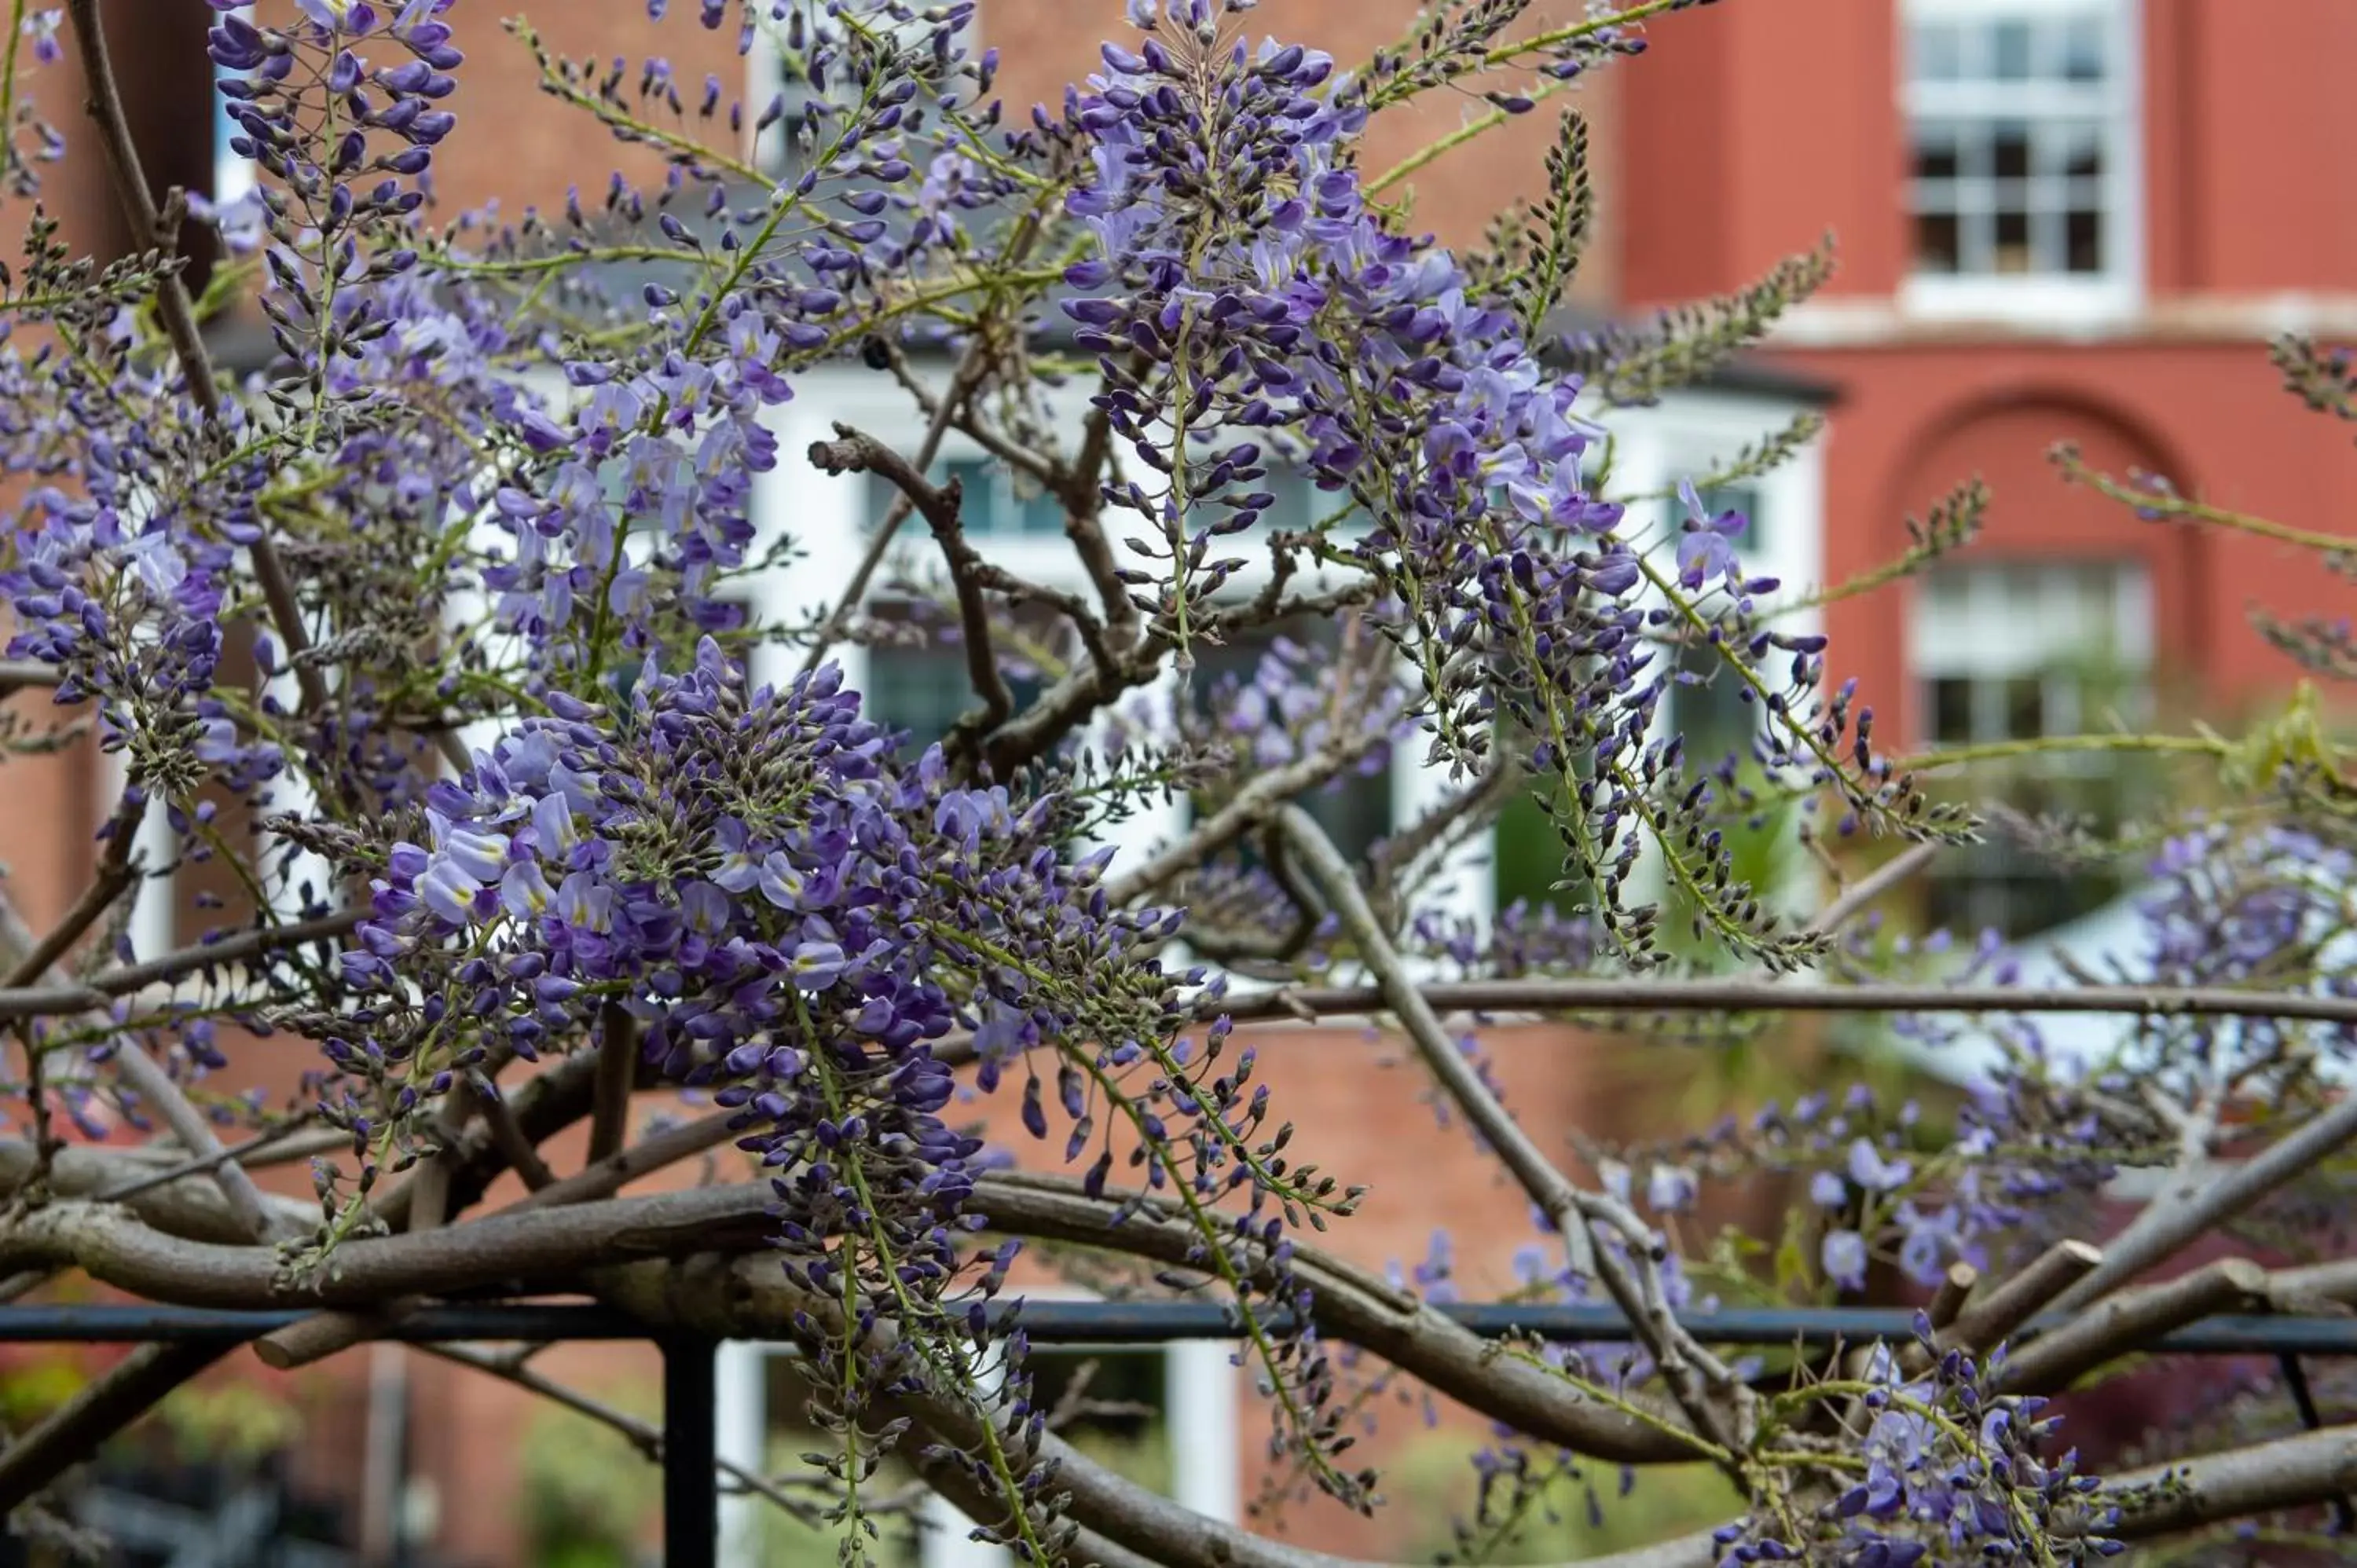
{"type": "Point", "coordinates": [526, 838]}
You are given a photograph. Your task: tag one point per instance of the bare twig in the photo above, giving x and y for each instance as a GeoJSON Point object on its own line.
{"type": "Point", "coordinates": [1871, 887]}
{"type": "Point", "coordinates": [1998, 1313]}
{"type": "Point", "coordinates": [2118, 1324]}
{"type": "Point", "coordinates": [30, 1001]}
{"type": "Point", "coordinates": [644, 1436]}
{"type": "Point", "coordinates": [1621, 999]}
{"type": "Point", "coordinates": [141, 1071]}
{"type": "Point", "coordinates": [1252, 805]}
{"type": "Point", "coordinates": [2161, 1231]}
{"type": "Point", "coordinates": [152, 1084]}
{"type": "Point", "coordinates": [1955, 1289]}
{"type": "Point", "coordinates": [940, 505]}
{"type": "Point", "coordinates": [16, 675]}
{"type": "Point", "coordinates": [1634, 1285]}
{"type": "Point", "coordinates": [1084, 497]}
{"type": "Point", "coordinates": [509, 1140]}
{"type": "Point", "coordinates": [617, 1060]}
{"type": "Point", "coordinates": [903, 507]}
{"type": "Point", "coordinates": [605, 1177]}
{"type": "Point", "coordinates": [114, 876]}
{"type": "Point", "coordinates": [280, 1146]}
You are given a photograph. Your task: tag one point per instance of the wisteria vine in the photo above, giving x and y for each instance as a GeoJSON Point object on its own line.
{"type": "Point", "coordinates": [448, 633]}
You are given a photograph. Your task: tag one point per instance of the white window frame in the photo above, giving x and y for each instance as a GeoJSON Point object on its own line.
{"type": "Point", "coordinates": [1203, 1411]}
{"type": "Point", "coordinates": [2020, 640]}
{"type": "Point", "coordinates": [2072, 301]}
{"type": "Point", "coordinates": [828, 517]}
{"type": "Point", "coordinates": [2027, 644]}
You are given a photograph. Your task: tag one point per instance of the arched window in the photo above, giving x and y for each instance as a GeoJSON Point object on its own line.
{"type": "Point", "coordinates": [2006, 652]}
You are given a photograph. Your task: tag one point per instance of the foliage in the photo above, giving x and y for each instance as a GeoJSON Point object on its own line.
{"type": "Point", "coordinates": [588, 1494]}
{"type": "Point", "coordinates": [1572, 1513]}
{"type": "Point", "coordinates": [529, 835]}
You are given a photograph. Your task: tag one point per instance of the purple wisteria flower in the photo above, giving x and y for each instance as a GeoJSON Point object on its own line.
{"type": "Point", "coordinates": [1706, 542]}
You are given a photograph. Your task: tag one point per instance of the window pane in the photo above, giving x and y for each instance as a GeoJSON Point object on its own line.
{"type": "Point", "coordinates": [2083, 151]}
{"type": "Point", "coordinates": [924, 690]}
{"type": "Point", "coordinates": [2009, 51]}
{"type": "Point", "coordinates": [2084, 49]}
{"type": "Point", "coordinates": [1936, 155]}
{"type": "Point", "coordinates": [980, 511]}
{"type": "Point", "coordinates": [2013, 650]}
{"type": "Point", "coordinates": [921, 690]}
{"type": "Point", "coordinates": [1040, 513]}
{"type": "Point", "coordinates": [1530, 859]}
{"type": "Point", "coordinates": [2025, 707]}
{"type": "Point", "coordinates": [1741, 500]}
{"type": "Point", "coordinates": [1122, 1416]}
{"type": "Point", "coordinates": [2082, 241]}
{"type": "Point", "coordinates": [1938, 52]}
{"type": "Point", "coordinates": [2012, 255]}
{"type": "Point", "coordinates": [1356, 809]}
{"type": "Point", "coordinates": [1937, 243]}
{"type": "Point", "coordinates": [1715, 711]}
{"type": "Point", "coordinates": [2009, 150]}
{"type": "Point", "coordinates": [989, 503]}
{"type": "Point", "coordinates": [2014, 123]}
{"type": "Point", "coordinates": [1952, 710]}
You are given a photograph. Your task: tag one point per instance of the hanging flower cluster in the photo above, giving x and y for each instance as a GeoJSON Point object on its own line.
{"type": "Point", "coordinates": [1945, 1471]}
{"type": "Point", "coordinates": [452, 600]}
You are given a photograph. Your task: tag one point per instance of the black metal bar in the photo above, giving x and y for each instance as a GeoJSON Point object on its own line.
{"type": "Point", "coordinates": [1094, 1323]}
{"type": "Point", "coordinates": [111, 1324]}
{"type": "Point", "coordinates": [690, 1453]}
{"type": "Point", "coordinates": [2303, 1399]}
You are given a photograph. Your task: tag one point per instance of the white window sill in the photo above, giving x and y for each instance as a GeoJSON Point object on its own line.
{"type": "Point", "coordinates": [2066, 305]}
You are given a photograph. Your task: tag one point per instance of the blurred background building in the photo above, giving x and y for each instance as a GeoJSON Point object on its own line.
{"type": "Point", "coordinates": [2057, 221]}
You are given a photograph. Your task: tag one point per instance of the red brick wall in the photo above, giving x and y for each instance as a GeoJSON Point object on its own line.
{"type": "Point", "coordinates": [1749, 129]}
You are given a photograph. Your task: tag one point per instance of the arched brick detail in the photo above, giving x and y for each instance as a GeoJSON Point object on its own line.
{"type": "Point", "coordinates": [2005, 437]}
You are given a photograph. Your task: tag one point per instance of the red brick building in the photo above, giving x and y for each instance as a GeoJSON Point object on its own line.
{"type": "Point", "coordinates": [2057, 220]}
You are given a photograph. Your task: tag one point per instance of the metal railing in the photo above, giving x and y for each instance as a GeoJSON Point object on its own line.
{"type": "Point", "coordinates": [691, 1489]}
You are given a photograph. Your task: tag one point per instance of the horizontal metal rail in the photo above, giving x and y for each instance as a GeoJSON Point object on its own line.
{"type": "Point", "coordinates": [690, 1487]}
{"type": "Point", "coordinates": [1102, 1323]}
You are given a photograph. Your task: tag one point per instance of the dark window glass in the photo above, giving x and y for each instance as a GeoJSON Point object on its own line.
{"type": "Point", "coordinates": [925, 689]}
{"type": "Point", "coordinates": [2010, 49]}
{"type": "Point", "coordinates": [1936, 154]}
{"type": "Point", "coordinates": [993, 502]}
{"type": "Point", "coordinates": [2009, 150]}
{"type": "Point", "coordinates": [1952, 710]}
{"type": "Point", "coordinates": [1938, 243]}
{"type": "Point", "coordinates": [2083, 240]}
{"type": "Point", "coordinates": [2012, 254]}
{"type": "Point", "coordinates": [2025, 708]}
{"type": "Point", "coordinates": [1121, 1415]}
{"type": "Point", "coordinates": [1355, 810]}
{"type": "Point", "coordinates": [1531, 858]}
